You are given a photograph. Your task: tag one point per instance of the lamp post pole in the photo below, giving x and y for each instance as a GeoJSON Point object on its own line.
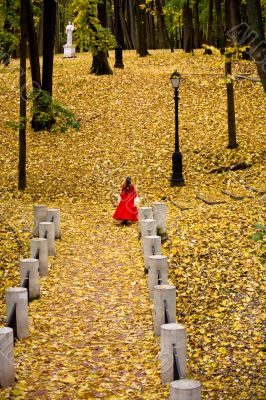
{"type": "Point", "coordinates": [177, 175]}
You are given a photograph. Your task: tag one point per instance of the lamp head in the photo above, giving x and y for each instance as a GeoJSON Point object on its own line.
{"type": "Point", "coordinates": [175, 79]}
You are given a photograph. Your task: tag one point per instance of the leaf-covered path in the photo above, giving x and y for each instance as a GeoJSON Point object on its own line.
{"type": "Point", "coordinates": [91, 330]}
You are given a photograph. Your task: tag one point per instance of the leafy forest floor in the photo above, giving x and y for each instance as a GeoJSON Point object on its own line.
{"type": "Point", "coordinates": [91, 331]}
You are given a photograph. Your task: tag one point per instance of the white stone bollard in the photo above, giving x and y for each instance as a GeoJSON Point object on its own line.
{"type": "Point", "coordinates": [19, 296]}
{"type": "Point", "coordinates": [148, 227]}
{"type": "Point", "coordinates": [40, 215]}
{"type": "Point", "coordinates": [47, 228]}
{"type": "Point", "coordinates": [31, 265]}
{"type": "Point", "coordinates": [40, 246]}
{"type": "Point", "coordinates": [159, 214]}
{"type": "Point", "coordinates": [164, 296]}
{"type": "Point", "coordinates": [172, 335]}
{"type": "Point", "coordinates": [185, 389]}
{"type": "Point", "coordinates": [152, 246]}
{"type": "Point", "coordinates": [53, 215]}
{"type": "Point", "coordinates": [156, 264]}
{"type": "Point", "coordinates": [7, 373]}
{"type": "Point", "coordinates": [145, 213]}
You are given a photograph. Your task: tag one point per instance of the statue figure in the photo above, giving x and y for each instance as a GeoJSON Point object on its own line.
{"type": "Point", "coordinates": [69, 30]}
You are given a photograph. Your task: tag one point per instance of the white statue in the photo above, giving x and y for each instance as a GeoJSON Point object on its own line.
{"type": "Point", "coordinates": [69, 30]}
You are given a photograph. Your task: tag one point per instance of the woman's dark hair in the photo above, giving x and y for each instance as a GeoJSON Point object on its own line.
{"type": "Point", "coordinates": [128, 183]}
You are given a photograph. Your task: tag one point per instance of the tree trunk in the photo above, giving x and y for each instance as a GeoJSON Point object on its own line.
{"type": "Point", "coordinates": [40, 33]}
{"type": "Point", "coordinates": [22, 108]}
{"type": "Point", "coordinates": [131, 21]}
{"type": "Point", "coordinates": [49, 27]}
{"type": "Point", "coordinates": [232, 144]}
{"type": "Point", "coordinates": [258, 46]}
{"type": "Point", "coordinates": [33, 49]}
{"type": "Point", "coordinates": [197, 38]}
{"type": "Point", "coordinates": [187, 28]}
{"type": "Point", "coordinates": [141, 20]}
{"type": "Point", "coordinates": [220, 28]}
{"type": "Point", "coordinates": [100, 65]}
{"type": "Point", "coordinates": [125, 29]}
{"type": "Point", "coordinates": [162, 31]}
{"type": "Point", "coordinates": [210, 24]}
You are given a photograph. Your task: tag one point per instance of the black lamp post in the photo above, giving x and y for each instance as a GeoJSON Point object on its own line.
{"type": "Point", "coordinates": [177, 176]}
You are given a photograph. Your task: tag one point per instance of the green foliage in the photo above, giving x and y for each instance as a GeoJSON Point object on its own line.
{"type": "Point", "coordinates": [8, 41]}
{"type": "Point", "coordinates": [89, 31]}
{"type": "Point", "coordinates": [260, 234]}
{"type": "Point", "coordinates": [51, 115]}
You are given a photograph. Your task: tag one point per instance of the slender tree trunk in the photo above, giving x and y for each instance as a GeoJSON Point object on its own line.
{"type": "Point", "coordinates": [210, 24]}
{"type": "Point", "coordinates": [124, 26]}
{"type": "Point", "coordinates": [141, 20]}
{"type": "Point", "coordinates": [220, 27]}
{"type": "Point", "coordinates": [258, 46]}
{"type": "Point", "coordinates": [49, 27]}
{"type": "Point", "coordinates": [33, 49]}
{"type": "Point", "coordinates": [232, 143]}
{"type": "Point", "coordinates": [22, 108]}
{"type": "Point", "coordinates": [162, 31]}
{"type": "Point", "coordinates": [197, 38]}
{"type": "Point", "coordinates": [151, 25]}
{"type": "Point", "coordinates": [40, 33]}
{"type": "Point", "coordinates": [131, 18]}
{"type": "Point", "coordinates": [187, 28]}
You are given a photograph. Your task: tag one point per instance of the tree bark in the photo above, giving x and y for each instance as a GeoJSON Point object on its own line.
{"type": "Point", "coordinates": [220, 28]}
{"type": "Point", "coordinates": [40, 34]}
{"type": "Point", "coordinates": [33, 49]}
{"type": "Point", "coordinates": [187, 28]}
{"type": "Point", "coordinates": [100, 65]}
{"type": "Point", "coordinates": [210, 24]}
{"type": "Point", "coordinates": [162, 30]}
{"type": "Point", "coordinates": [131, 21]}
{"type": "Point", "coordinates": [258, 46]}
{"type": "Point", "coordinates": [141, 20]}
{"type": "Point", "coordinates": [22, 108]}
{"type": "Point", "coordinates": [197, 38]}
{"type": "Point", "coordinates": [125, 29]}
{"type": "Point", "coordinates": [232, 143]}
{"type": "Point", "coordinates": [49, 27]}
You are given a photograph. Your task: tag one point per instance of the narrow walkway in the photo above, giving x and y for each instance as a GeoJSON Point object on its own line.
{"type": "Point", "coordinates": [91, 332]}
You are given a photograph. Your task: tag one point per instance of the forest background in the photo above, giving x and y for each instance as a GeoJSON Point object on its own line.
{"type": "Point", "coordinates": [128, 115]}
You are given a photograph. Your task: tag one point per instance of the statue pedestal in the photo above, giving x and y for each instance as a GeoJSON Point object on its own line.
{"type": "Point", "coordinates": [69, 50]}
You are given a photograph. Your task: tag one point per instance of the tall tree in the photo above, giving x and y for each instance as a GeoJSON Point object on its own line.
{"type": "Point", "coordinates": [197, 35]}
{"type": "Point", "coordinates": [100, 64]}
{"type": "Point", "coordinates": [141, 24]}
{"type": "Point", "coordinates": [163, 37]}
{"type": "Point", "coordinates": [231, 17]}
{"type": "Point", "coordinates": [33, 48]}
{"type": "Point", "coordinates": [210, 24]}
{"type": "Point", "coordinates": [22, 108]}
{"type": "Point", "coordinates": [219, 25]}
{"type": "Point", "coordinates": [187, 27]}
{"type": "Point", "coordinates": [258, 44]}
{"type": "Point", "coordinates": [49, 28]}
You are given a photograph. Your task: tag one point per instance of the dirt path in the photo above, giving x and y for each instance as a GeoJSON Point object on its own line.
{"type": "Point", "coordinates": [91, 331]}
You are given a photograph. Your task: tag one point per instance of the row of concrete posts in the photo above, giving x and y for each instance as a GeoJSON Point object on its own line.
{"type": "Point", "coordinates": [46, 230]}
{"type": "Point", "coordinates": [173, 353]}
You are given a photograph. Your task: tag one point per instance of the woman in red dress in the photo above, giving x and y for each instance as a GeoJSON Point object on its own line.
{"type": "Point", "coordinates": [126, 209]}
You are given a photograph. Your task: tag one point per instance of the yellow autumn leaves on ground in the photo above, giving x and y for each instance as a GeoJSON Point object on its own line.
{"type": "Point", "coordinates": [91, 330]}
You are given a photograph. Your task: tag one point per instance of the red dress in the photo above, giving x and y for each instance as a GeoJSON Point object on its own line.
{"type": "Point", "coordinates": [126, 208]}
